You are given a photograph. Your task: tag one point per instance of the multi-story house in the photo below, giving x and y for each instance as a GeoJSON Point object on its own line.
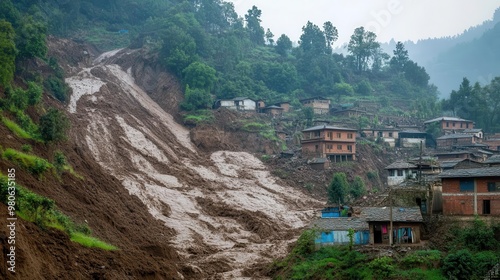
{"type": "Point", "coordinates": [320, 105]}
{"type": "Point", "coordinates": [338, 144]}
{"type": "Point", "coordinates": [450, 124]}
{"type": "Point", "coordinates": [471, 191]}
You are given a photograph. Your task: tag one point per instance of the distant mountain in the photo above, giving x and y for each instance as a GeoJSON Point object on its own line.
{"type": "Point", "coordinates": [473, 54]}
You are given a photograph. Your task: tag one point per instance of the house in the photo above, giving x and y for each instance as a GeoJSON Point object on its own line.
{"type": "Point", "coordinates": [460, 164]}
{"type": "Point", "coordinates": [319, 104]}
{"type": "Point", "coordinates": [273, 110]}
{"type": "Point", "coordinates": [412, 138]}
{"type": "Point", "coordinates": [471, 191]}
{"type": "Point", "coordinates": [474, 131]}
{"type": "Point", "coordinates": [237, 103]}
{"type": "Point", "coordinates": [450, 124]}
{"type": "Point", "coordinates": [319, 163]}
{"type": "Point", "coordinates": [389, 135]}
{"type": "Point", "coordinates": [493, 161]}
{"type": "Point", "coordinates": [492, 142]}
{"type": "Point", "coordinates": [351, 113]}
{"type": "Point", "coordinates": [406, 224]}
{"type": "Point", "coordinates": [335, 231]}
{"type": "Point", "coordinates": [338, 144]}
{"type": "Point", "coordinates": [285, 105]}
{"type": "Point", "coordinates": [451, 141]}
{"type": "Point", "coordinates": [399, 172]}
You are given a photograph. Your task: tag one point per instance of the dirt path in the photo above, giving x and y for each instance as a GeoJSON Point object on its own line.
{"type": "Point", "coordinates": [228, 212]}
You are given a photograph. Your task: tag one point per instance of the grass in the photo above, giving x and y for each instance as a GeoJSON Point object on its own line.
{"type": "Point", "coordinates": [35, 165]}
{"type": "Point", "coordinates": [199, 117]}
{"type": "Point", "coordinates": [91, 242]}
{"type": "Point", "coordinates": [42, 211]}
{"type": "Point", "coordinates": [16, 129]}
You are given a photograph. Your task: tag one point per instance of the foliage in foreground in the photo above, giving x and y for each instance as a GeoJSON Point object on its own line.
{"type": "Point", "coordinates": [43, 212]}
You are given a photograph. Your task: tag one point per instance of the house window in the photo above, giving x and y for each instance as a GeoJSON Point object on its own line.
{"type": "Point", "coordinates": [453, 124]}
{"type": "Point", "coordinates": [400, 172]}
{"type": "Point", "coordinates": [466, 185]}
{"type": "Point", "coordinates": [339, 147]}
{"type": "Point", "coordinates": [330, 136]}
{"type": "Point", "coordinates": [339, 135]}
{"type": "Point", "coordinates": [467, 125]}
{"type": "Point", "coordinates": [329, 147]}
{"type": "Point", "coordinates": [349, 148]}
{"type": "Point", "coordinates": [349, 135]}
{"type": "Point", "coordinates": [494, 186]}
{"type": "Point", "coordinates": [392, 173]}
{"type": "Point", "coordinates": [390, 134]}
{"type": "Point", "coordinates": [447, 124]}
{"type": "Point", "coordinates": [461, 125]}
{"type": "Point", "coordinates": [316, 134]}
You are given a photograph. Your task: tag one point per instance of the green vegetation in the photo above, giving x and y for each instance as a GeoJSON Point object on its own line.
{"type": "Point", "coordinates": [341, 190]}
{"type": "Point", "coordinates": [42, 211]}
{"type": "Point", "coordinates": [16, 129]}
{"type": "Point", "coordinates": [33, 164]}
{"type": "Point", "coordinates": [53, 126]}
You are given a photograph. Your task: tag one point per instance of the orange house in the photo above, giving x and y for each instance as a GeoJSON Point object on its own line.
{"type": "Point", "coordinates": [450, 124]}
{"type": "Point", "coordinates": [338, 144]}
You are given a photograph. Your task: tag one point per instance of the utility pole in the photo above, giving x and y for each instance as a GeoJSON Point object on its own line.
{"type": "Point", "coordinates": [390, 216]}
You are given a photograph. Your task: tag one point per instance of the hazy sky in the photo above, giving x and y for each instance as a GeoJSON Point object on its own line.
{"type": "Point", "coordinates": [399, 19]}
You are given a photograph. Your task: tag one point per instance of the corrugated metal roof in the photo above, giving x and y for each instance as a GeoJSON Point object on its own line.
{"type": "Point", "coordinates": [471, 172]}
{"type": "Point", "coordinates": [454, 136]}
{"type": "Point", "coordinates": [446, 119]}
{"type": "Point", "coordinates": [341, 223]}
{"type": "Point", "coordinates": [399, 214]}
{"type": "Point", "coordinates": [321, 127]}
{"type": "Point", "coordinates": [400, 165]}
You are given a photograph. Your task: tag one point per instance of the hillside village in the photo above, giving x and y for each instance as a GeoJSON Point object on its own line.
{"type": "Point", "coordinates": [456, 174]}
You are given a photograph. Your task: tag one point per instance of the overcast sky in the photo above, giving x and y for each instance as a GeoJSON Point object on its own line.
{"type": "Point", "coordinates": [399, 19]}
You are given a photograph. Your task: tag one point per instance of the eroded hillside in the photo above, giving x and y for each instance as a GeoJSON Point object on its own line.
{"type": "Point", "coordinates": [228, 212]}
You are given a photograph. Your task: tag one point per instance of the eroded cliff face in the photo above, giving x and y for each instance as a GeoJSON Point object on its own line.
{"type": "Point", "coordinates": [227, 211]}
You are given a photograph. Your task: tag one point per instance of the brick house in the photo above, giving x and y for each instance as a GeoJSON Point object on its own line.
{"type": "Point", "coordinates": [273, 110]}
{"type": "Point", "coordinates": [450, 124]}
{"type": "Point", "coordinates": [319, 104]}
{"type": "Point", "coordinates": [285, 105]}
{"type": "Point", "coordinates": [450, 141]}
{"type": "Point", "coordinates": [471, 191]}
{"type": "Point", "coordinates": [335, 143]}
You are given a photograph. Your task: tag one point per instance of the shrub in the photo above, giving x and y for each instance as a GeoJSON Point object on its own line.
{"type": "Point", "coordinates": [57, 87]}
{"type": "Point", "coordinates": [337, 190]}
{"type": "Point", "coordinates": [16, 129]}
{"type": "Point", "coordinates": [382, 268]}
{"type": "Point", "coordinates": [421, 259]}
{"type": "Point", "coordinates": [53, 126]}
{"type": "Point", "coordinates": [26, 148]}
{"type": "Point", "coordinates": [458, 265]}
{"type": "Point", "coordinates": [358, 188]}
{"type": "Point", "coordinates": [33, 164]}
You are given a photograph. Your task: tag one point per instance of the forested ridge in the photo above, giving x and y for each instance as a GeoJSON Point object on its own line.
{"type": "Point", "coordinates": [217, 53]}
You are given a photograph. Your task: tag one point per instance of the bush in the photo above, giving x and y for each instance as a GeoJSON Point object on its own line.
{"type": "Point", "coordinates": [57, 87]}
{"type": "Point", "coordinates": [421, 259]}
{"type": "Point", "coordinates": [34, 164]}
{"type": "Point", "coordinates": [337, 190]}
{"type": "Point", "coordinates": [458, 265]}
{"type": "Point", "coordinates": [26, 148]}
{"type": "Point", "coordinates": [383, 268]}
{"type": "Point", "coordinates": [53, 126]}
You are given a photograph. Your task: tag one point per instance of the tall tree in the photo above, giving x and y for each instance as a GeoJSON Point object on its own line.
{"type": "Point", "coordinates": [312, 41]}
{"type": "Point", "coordinates": [400, 58]}
{"type": "Point", "coordinates": [253, 25]}
{"type": "Point", "coordinates": [338, 188]}
{"type": "Point", "coordinates": [331, 35]}
{"type": "Point", "coordinates": [269, 37]}
{"type": "Point", "coordinates": [362, 46]}
{"type": "Point", "coordinates": [283, 45]}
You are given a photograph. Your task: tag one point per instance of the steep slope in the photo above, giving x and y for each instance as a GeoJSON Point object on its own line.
{"type": "Point", "coordinates": [227, 211]}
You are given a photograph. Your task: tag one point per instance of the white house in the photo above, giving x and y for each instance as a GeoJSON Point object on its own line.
{"type": "Point", "coordinates": [400, 171]}
{"type": "Point", "coordinates": [237, 103]}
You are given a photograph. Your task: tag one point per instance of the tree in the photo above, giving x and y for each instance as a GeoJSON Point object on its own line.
{"type": "Point", "coordinates": [357, 188]}
{"type": "Point", "coordinates": [416, 74]}
{"type": "Point", "coordinates": [312, 41]}
{"type": "Point", "coordinates": [400, 58]}
{"type": "Point", "coordinates": [199, 75]}
{"type": "Point", "coordinates": [362, 46]}
{"type": "Point", "coordinates": [53, 126]}
{"type": "Point", "coordinates": [8, 53]}
{"type": "Point", "coordinates": [30, 39]}
{"type": "Point", "coordinates": [269, 37]}
{"type": "Point", "coordinates": [458, 265]}
{"type": "Point", "coordinates": [196, 99]}
{"type": "Point", "coordinates": [331, 35]}
{"type": "Point", "coordinates": [283, 45]}
{"type": "Point", "coordinates": [253, 25]}
{"type": "Point", "coordinates": [337, 190]}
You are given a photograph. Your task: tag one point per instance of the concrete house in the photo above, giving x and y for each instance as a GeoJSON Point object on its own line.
{"type": "Point", "coordinates": [399, 172]}
{"type": "Point", "coordinates": [450, 124]}
{"type": "Point", "coordinates": [237, 103]}
{"type": "Point", "coordinates": [389, 135]}
{"type": "Point", "coordinates": [471, 191]}
{"type": "Point", "coordinates": [338, 144]}
{"type": "Point", "coordinates": [319, 104]}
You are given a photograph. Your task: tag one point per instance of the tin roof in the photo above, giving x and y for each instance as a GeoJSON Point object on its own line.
{"type": "Point", "coordinates": [399, 214]}
{"type": "Point", "coordinates": [471, 172]}
{"type": "Point", "coordinates": [322, 127]}
{"type": "Point", "coordinates": [455, 136]}
{"type": "Point", "coordinates": [400, 165]}
{"type": "Point", "coordinates": [447, 119]}
{"type": "Point", "coordinates": [340, 223]}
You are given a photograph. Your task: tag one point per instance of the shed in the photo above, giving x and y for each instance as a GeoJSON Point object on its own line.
{"type": "Point", "coordinates": [334, 231]}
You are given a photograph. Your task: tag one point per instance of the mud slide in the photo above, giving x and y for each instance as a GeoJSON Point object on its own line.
{"type": "Point", "coordinates": [228, 212]}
